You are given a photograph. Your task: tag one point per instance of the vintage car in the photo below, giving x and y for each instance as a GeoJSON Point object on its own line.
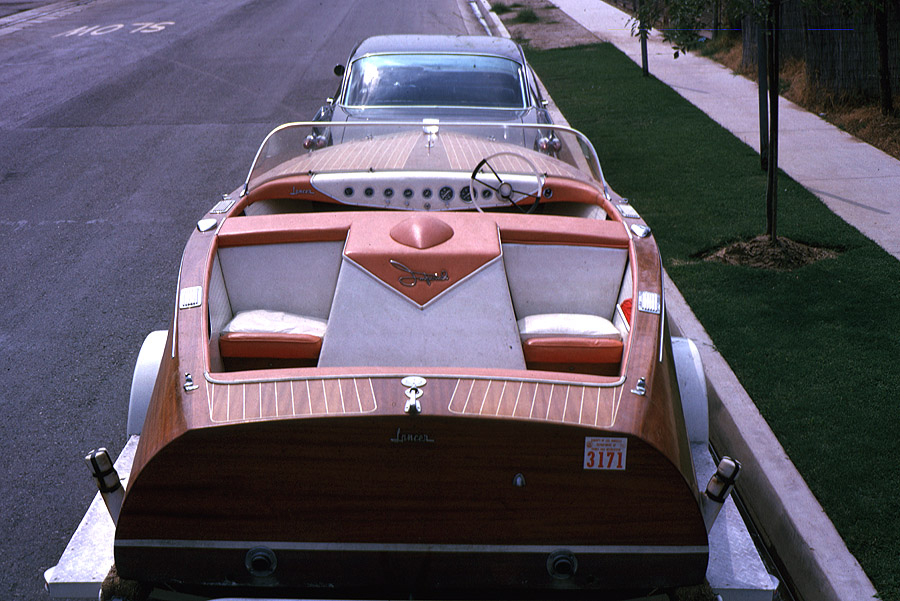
{"type": "Point", "coordinates": [441, 77]}
{"type": "Point", "coordinates": [417, 364]}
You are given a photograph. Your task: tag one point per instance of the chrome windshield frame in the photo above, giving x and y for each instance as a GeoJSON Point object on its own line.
{"type": "Point", "coordinates": [587, 147]}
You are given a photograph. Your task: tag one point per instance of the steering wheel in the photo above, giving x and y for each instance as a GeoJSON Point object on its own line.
{"type": "Point", "coordinates": [514, 188]}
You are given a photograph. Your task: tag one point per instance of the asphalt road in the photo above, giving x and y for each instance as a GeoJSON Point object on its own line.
{"type": "Point", "coordinates": [121, 123]}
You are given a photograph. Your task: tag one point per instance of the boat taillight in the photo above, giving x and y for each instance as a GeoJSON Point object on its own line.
{"type": "Point", "coordinates": [107, 479]}
{"type": "Point", "coordinates": [718, 489]}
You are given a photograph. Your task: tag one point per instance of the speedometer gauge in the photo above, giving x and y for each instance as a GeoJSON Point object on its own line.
{"type": "Point", "coordinates": [446, 193]}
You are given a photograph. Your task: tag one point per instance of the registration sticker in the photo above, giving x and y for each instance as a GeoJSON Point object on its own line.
{"type": "Point", "coordinates": [605, 453]}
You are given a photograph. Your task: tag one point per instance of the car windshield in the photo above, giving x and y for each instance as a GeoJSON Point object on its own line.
{"type": "Point", "coordinates": [458, 80]}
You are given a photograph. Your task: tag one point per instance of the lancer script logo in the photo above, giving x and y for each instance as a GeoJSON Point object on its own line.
{"type": "Point", "coordinates": [411, 437]}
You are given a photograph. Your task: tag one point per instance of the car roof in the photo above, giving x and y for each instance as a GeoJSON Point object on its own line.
{"type": "Point", "coordinates": [453, 44]}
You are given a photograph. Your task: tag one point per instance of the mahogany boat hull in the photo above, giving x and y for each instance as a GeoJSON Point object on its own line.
{"type": "Point", "coordinates": [427, 505]}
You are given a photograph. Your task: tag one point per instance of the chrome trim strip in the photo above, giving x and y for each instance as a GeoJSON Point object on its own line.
{"type": "Point", "coordinates": [662, 305]}
{"type": "Point", "coordinates": [419, 370]}
{"type": "Point", "coordinates": [505, 109]}
{"type": "Point", "coordinates": [414, 548]}
{"type": "Point", "coordinates": [177, 302]}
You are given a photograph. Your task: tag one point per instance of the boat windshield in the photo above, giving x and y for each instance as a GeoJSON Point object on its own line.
{"type": "Point", "coordinates": [459, 80]}
{"type": "Point", "coordinates": [312, 148]}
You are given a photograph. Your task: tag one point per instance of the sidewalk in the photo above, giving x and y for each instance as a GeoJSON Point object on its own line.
{"type": "Point", "coordinates": [860, 183]}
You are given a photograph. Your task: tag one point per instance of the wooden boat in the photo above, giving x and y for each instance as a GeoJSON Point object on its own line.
{"type": "Point", "coordinates": [425, 364]}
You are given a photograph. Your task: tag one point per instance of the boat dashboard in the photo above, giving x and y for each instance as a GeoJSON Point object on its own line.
{"type": "Point", "coordinates": [428, 191]}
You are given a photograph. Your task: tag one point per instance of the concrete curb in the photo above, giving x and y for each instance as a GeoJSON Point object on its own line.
{"type": "Point", "coordinates": [786, 513]}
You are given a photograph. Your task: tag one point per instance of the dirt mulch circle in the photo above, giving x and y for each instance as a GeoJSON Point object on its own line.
{"type": "Point", "coordinates": [783, 255]}
{"type": "Point", "coordinates": [552, 29]}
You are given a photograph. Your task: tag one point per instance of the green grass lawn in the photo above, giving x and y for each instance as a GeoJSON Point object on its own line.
{"type": "Point", "coordinates": [816, 348]}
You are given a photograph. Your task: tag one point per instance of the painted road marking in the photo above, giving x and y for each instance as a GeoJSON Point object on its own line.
{"type": "Point", "coordinates": [105, 29]}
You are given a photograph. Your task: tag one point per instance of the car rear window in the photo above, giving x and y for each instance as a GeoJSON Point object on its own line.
{"type": "Point", "coordinates": [435, 80]}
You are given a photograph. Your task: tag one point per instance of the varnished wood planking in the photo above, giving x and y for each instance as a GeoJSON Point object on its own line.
{"type": "Point", "coordinates": [451, 151]}
{"type": "Point", "coordinates": [255, 400]}
{"type": "Point", "coordinates": [357, 483]}
{"type": "Point", "coordinates": [575, 404]}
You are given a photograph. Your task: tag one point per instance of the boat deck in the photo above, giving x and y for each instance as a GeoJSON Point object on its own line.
{"type": "Point", "coordinates": [587, 405]}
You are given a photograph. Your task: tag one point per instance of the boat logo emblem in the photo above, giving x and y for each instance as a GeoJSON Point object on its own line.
{"type": "Point", "coordinates": [415, 277]}
{"type": "Point", "coordinates": [402, 437]}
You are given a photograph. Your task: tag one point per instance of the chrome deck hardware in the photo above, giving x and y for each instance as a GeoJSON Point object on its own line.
{"type": "Point", "coordinates": [414, 385]}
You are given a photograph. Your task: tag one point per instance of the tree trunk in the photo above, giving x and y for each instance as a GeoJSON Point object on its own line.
{"type": "Point", "coordinates": [762, 49]}
{"type": "Point", "coordinates": [884, 68]}
{"type": "Point", "coordinates": [772, 27]}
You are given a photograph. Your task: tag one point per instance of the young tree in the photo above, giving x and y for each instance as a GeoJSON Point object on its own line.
{"type": "Point", "coordinates": [647, 12]}
{"type": "Point", "coordinates": [682, 29]}
{"type": "Point", "coordinates": [768, 14]}
{"type": "Point", "coordinates": [773, 27]}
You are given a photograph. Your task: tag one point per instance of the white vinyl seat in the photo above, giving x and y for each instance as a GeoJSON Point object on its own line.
{"type": "Point", "coordinates": [261, 333]}
{"type": "Point", "coordinates": [571, 342]}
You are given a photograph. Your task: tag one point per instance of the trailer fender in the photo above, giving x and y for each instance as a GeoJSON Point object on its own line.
{"type": "Point", "coordinates": [692, 388]}
{"type": "Point", "coordinates": [146, 369]}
